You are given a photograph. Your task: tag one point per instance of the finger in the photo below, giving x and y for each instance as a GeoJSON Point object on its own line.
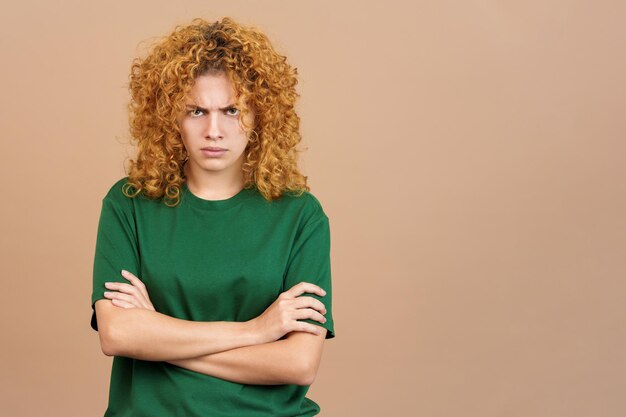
{"type": "Point", "coordinates": [305, 301]}
{"type": "Point", "coordinates": [127, 289]}
{"type": "Point", "coordinates": [123, 304]}
{"type": "Point", "coordinates": [303, 287]}
{"type": "Point", "coordinates": [120, 286]}
{"type": "Point", "coordinates": [132, 278]}
{"type": "Point", "coordinates": [136, 282]}
{"type": "Point", "coordinates": [138, 299]}
{"type": "Point", "coordinates": [132, 291]}
{"type": "Point", "coordinates": [133, 300]}
{"type": "Point", "coordinates": [122, 297]}
{"type": "Point", "coordinates": [309, 328]}
{"type": "Point", "coordinates": [307, 313]}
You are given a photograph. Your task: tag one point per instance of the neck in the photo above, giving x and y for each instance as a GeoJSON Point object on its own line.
{"type": "Point", "coordinates": [213, 185]}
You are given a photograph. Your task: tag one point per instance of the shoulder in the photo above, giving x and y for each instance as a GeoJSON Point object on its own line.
{"type": "Point", "coordinates": [306, 204]}
{"type": "Point", "coordinates": [117, 186]}
{"type": "Point", "coordinates": [116, 194]}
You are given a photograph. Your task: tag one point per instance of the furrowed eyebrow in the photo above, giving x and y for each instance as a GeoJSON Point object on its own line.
{"type": "Point", "coordinates": [194, 107]}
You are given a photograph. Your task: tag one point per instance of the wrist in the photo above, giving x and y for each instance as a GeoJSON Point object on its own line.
{"type": "Point", "coordinates": [253, 331]}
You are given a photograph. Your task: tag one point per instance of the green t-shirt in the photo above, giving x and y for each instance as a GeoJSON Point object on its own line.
{"type": "Point", "coordinates": [209, 260]}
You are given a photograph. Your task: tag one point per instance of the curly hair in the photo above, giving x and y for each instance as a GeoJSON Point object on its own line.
{"type": "Point", "coordinates": [262, 79]}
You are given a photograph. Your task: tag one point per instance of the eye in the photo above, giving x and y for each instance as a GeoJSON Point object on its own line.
{"type": "Point", "coordinates": [193, 112]}
{"type": "Point", "coordinates": [235, 111]}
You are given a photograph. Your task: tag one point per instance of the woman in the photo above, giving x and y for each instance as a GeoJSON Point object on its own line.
{"type": "Point", "coordinates": [211, 279]}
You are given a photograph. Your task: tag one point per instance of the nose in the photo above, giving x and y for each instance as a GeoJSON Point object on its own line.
{"type": "Point", "coordinates": [212, 128]}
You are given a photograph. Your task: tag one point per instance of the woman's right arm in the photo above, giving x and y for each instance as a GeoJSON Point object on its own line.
{"type": "Point", "coordinates": [149, 335]}
{"type": "Point", "coordinates": [143, 333]}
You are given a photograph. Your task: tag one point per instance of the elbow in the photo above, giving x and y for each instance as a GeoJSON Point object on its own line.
{"type": "Point", "coordinates": [107, 342]}
{"type": "Point", "coordinates": [107, 351]}
{"type": "Point", "coordinates": [305, 382]}
{"type": "Point", "coordinates": [106, 345]}
{"type": "Point", "coordinates": [115, 326]}
{"type": "Point", "coordinates": [306, 376]}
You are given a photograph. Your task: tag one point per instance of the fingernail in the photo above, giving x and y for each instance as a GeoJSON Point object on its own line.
{"type": "Point", "coordinates": [124, 272]}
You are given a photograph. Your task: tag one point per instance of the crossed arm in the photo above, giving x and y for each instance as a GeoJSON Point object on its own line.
{"type": "Point", "coordinates": [294, 360]}
{"type": "Point", "coordinates": [226, 350]}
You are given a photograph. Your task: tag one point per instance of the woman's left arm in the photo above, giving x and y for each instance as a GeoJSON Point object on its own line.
{"type": "Point", "coordinates": [293, 360]}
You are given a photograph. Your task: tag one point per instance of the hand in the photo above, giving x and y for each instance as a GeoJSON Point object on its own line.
{"type": "Point", "coordinates": [131, 296]}
{"type": "Point", "coordinates": [281, 317]}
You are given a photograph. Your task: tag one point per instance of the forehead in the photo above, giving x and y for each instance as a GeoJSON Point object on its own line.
{"type": "Point", "coordinates": [211, 90]}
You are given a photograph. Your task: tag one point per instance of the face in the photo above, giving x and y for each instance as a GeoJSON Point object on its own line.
{"type": "Point", "coordinates": [211, 130]}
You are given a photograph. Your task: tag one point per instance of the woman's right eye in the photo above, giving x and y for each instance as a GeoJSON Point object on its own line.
{"type": "Point", "coordinates": [193, 112]}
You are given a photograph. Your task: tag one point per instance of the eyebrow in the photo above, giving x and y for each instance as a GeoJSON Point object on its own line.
{"type": "Point", "coordinates": [193, 106]}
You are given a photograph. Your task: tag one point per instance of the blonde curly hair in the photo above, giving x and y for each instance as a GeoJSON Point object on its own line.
{"type": "Point", "coordinates": [262, 79]}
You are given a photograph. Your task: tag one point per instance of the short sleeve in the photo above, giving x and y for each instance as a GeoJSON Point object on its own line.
{"type": "Point", "coordinates": [309, 261]}
{"type": "Point", "coordinates": [116, 249]}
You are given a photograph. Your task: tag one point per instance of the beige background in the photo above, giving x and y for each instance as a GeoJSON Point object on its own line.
{"type": "Point", "coordinates": [469, 155]}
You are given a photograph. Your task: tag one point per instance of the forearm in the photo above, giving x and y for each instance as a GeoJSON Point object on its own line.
{"type": "Point", "coordinates": [149, 335]}
{"type": "Point", "coordinates": [265, 364]}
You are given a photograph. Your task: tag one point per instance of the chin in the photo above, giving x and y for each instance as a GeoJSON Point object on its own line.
{"type": "Point", "coordinates": [214, 166]}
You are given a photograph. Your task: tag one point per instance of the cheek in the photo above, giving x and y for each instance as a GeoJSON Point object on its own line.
{"type": "Point", "coordinates": [186, 138]}
{"type": "Point", "coordinates": [189, 130]}
{"type": "Point", "coordinates": [185, 143]}
{"type": "Point", "coordinates": [249, 121]}
{"type": "Point", "coordinates": [234, 129]}
{"type": "Point", "coordinates": [183, 135]}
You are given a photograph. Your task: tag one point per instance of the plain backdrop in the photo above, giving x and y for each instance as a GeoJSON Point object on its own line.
{"type": "Point", "coordinates": [469, 155]}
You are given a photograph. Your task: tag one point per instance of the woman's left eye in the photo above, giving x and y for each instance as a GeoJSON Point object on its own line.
{"type": "Point", "coordinates": [236, 111]}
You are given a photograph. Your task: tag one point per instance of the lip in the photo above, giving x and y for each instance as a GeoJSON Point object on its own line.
{"type": "Point", "coordinates": [213, 152]}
